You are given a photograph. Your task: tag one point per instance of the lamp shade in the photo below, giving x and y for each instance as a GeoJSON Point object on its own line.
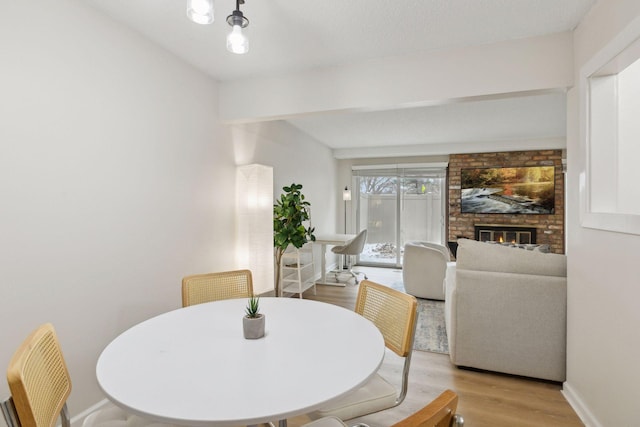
{"type": "Point", "coordinates": [254, 226]}
{"type": "Point", "coordinates": [200, 11]}
{"type": "Point", "coordinates": [346, 194]}
{"type": "Point", "coordinates": [237, 42]}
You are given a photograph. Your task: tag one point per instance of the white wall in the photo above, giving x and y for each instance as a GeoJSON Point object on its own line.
{"type": "Point", "coordinates": [603, 346]}
{"type": "Point", "coordinates": [114, 175]}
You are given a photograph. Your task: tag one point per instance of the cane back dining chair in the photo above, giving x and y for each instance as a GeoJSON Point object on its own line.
{"type": "Point", "coordinates": [440, 412]}
{"type": "Point", "coordinates": [394, 313]}
{"type": "Point", "coordinates": [201, 288]}
{"type": "Point", "coordinates": [40, 385]}
{"type": "Point", "coordinates": [39, 382]}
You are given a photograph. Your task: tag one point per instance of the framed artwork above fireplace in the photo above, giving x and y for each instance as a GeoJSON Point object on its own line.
{"type": "Point", "coordinates": [508, 190]}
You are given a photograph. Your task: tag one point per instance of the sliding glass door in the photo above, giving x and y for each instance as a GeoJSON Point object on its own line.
{"type": "Point", "coordinates": [378, 213]}
{"type": "Point", "coordinates": [398, 204]}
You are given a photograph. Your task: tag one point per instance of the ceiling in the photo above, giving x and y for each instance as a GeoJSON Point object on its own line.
{"type": "Point", "coordinates": [288, 36]}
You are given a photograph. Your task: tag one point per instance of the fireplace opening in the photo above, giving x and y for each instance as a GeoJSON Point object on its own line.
{"type": "Point", "coordinates": [503, 233]}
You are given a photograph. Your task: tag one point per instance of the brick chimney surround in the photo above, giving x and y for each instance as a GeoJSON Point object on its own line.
{"type": "Point", "coordinates": [549, 229]}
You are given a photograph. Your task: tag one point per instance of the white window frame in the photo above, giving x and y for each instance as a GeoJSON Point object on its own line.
{"type": "Point", "coordinates": [627, 42]}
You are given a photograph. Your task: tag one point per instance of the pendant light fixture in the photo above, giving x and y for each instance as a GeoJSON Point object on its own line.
{"type": "Point", "coordinates": [236, 41]}
{"type": "Point", "coordinates": [200, 11]}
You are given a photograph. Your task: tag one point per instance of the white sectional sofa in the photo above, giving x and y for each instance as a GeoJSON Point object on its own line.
{"type": "Point", "coordinates": [505, 310]}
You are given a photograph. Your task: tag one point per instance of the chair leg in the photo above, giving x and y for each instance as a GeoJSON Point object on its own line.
{"type": "Point", "coordinates": [355, 275]}
{"type": "Point", "coordinates": [9, 412]}
{"type": "Point", "coordinates": [345, 261]}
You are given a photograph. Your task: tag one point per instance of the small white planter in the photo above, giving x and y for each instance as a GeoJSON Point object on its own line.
{"type": "Point", "coordinates": [253, 327]}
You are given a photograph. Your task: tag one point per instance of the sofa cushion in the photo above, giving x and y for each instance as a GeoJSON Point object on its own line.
{"type": "Point", "coordinates": [480, 256]}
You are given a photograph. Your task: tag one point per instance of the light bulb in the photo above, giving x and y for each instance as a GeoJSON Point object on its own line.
{"type": "Point", "coordinates": [237, 42]}
{"type": "Point", "coordinates": [346, 194]}
{"type": "Point", "coordinates": [200, 11]}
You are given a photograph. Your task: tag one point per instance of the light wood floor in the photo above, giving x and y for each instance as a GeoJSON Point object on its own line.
{"type": "Point", "coordinates": [486, 399]}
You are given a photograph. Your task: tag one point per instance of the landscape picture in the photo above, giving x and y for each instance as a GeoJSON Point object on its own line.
{"type": "Point", "coordinates": [520, 190]}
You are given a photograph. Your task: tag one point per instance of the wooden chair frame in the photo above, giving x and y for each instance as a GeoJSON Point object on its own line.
{"type": "Point", "coordinates": [441, 412]}
{"type": "Point", "coordinates": [39, 382]}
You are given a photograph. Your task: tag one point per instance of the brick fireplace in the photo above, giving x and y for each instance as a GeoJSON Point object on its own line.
{"type": "Point", "coordinates": [549, 228]}
{"type": "Point", "coordinates": [518, 234]}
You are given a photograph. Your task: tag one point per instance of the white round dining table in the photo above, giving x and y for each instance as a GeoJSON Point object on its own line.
{"type": "Point", "coordinates": [192, 366]}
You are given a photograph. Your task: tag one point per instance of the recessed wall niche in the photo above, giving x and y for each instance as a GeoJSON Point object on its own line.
{"type": "Point", "coordinates": [610, 106]}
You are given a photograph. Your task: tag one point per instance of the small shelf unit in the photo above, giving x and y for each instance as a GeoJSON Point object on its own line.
{"type": "Point", "coordinates": [297, 273]}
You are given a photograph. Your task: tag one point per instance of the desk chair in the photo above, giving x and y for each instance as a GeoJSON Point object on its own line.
{"type": "Point", "coordinates": [209, 287]}
{"type": "Point", "coordinates": [441, 412]}
{"type": "Point", "coordinates": [352, 247]}
{"type": "Point", "coordinates": [394, 313]}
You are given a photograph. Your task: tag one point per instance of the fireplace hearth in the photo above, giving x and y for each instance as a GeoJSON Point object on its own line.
{"type": "Point", "coordinates": [505, 233]}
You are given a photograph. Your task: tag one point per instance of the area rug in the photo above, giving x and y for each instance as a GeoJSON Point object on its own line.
{"type": "Point", "coordinates": [431, 334]}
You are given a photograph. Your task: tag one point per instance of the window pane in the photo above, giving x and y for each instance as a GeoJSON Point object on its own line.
{"type": "Point", "coordinates": [378, 215]}
{"type": "Point", "coordinates": [398, 205]}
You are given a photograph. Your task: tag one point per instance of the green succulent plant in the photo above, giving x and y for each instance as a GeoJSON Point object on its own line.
{"type": "Point", "coordinates": [253, 307]}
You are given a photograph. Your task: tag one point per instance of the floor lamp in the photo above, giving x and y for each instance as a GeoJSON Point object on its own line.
{"type": "Point", "coordinates": [346, 196]}
{"type": "Point", "coordinates": [254, 225]}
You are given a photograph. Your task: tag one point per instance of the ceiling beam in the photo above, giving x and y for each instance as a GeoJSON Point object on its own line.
{"type": "Point", "coordinates": [427, 78]}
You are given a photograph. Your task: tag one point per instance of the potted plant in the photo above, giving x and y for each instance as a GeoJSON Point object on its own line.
{"type": "Point", "coordinates": [289, 216]}
{"type": "Point", "coordinates": [253, 321]}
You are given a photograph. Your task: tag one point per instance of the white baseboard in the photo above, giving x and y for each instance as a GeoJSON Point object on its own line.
{"type": "Point", "coordinates": [579, 406]}
{"type": "Point", "coordinates": [77, 420]}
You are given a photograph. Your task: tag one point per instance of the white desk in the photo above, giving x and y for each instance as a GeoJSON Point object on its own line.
{"type": "Point", "coordinates": [330, 239]}
{"type": "Point", "coordinates": [192, 366]}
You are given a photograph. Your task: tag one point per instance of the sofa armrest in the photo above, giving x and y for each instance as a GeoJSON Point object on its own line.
{"type": "Point", "coordinates": [450, 295]}
{"type": "Point", "coordinates": [512, 323]}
